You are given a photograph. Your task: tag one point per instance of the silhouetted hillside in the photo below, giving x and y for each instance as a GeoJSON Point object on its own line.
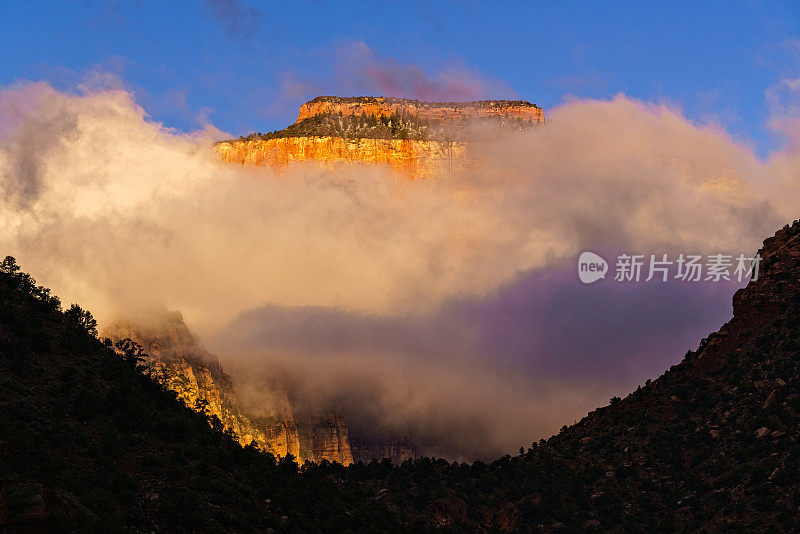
{"type": "Point", "coordinates": [710, 445]}
{"type": "Point", "coordinates": [88, 441]}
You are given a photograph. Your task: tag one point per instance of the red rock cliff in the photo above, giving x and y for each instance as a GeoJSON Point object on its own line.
{"type": "Point", "coordinates": [417, 159]}
{"type": "Point", "coordinates": [382, 106]}
{"type": "Point", "coordinates": [413, 154]}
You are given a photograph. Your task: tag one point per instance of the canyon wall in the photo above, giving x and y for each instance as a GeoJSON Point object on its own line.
{"type": "Point", "coordinates": [446, 111]}
{"type": "Point", "coordinates": [326, 438]}
{"type": "Point", "coordinates": [177, 361]}
{"type": "Point", "coordinates": [196, 385]}
{"type": "Point", "coordinates": [368, 447]}
{"type": "Point", "coordinates": [413, 158]}
{"type": "Point", "coordinates": [428, 139]}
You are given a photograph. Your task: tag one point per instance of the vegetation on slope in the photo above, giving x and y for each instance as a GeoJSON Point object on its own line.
{"type": "Point", "coordinates": [395, 126]}
{"type": "Point", "coordinates": [88, 441]}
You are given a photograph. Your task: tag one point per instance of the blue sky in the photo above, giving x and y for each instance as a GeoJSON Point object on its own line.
{"type": "Point", "coordinates": [247, 66]}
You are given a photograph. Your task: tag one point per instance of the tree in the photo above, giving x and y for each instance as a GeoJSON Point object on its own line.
{"type": "Point", "coordinates": [131, 350]}
{"type": "Point", "coordinates": [83, 318]}
{"type": "Point", "coordinates": [9, 266]}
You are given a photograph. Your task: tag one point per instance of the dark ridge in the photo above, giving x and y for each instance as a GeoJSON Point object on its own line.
{"type": "Point", "coordinates": [713, 445]}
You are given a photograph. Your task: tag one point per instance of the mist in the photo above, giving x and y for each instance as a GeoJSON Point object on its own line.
{"type": "Point", "coordinates": [445, 307]}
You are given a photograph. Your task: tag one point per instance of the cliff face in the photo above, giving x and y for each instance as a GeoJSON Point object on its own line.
{"type": "Point", "coordinates": [417, 139]}
{"type": "Point", "coordinates": [197, 386]}
{"type": "Point", "coordinates": [414, 158]}
{"type": "Point", "coordinates": [326, 438]}
{"type": "Point", "coordinates": [177, 361]}
{"type": "Point", "coordinates": [447, 111]}
{"type": "Point", "coordinates": [89, 444]}
{"type": "Point", "coordinates": [394, 447]}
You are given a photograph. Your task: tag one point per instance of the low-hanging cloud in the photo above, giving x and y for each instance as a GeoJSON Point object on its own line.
{"type": "Point", "coordinates": [428, 305]}
{"type": "Point", "coordinates": [475, 378]}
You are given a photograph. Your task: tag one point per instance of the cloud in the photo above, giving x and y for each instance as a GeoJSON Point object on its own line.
{"type": "Point", "coordinates": [353, 68]}
{"type": "Point", "coordinates": [783, 100]}
{"type": "Point", "coordinates": [361, 66]}
{"type": "Point", "coordinates": [475, 378]}
{"type": "Point", "coordinates": [238, 19]}
{"type": "Point", "coordinates": [446, 306]}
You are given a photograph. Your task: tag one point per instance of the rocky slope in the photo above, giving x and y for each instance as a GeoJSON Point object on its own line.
{"type": "Point", "coordinates": [175, 358]}
{"type": "Point", "coordinates": [417, 139]}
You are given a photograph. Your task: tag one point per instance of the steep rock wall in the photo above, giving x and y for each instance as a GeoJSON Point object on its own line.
{"type": "Point", "coordinates": [418, 139]}
{"type": "Point", "coordinates": [416, 159]}
{"type": "Point", "coordinates": [367, 447]}
{"type": "Point", "coordinates": [381, 106]}
{"type": "Point", "coordinates": [195, 384]}
{"type": "Point", "coordinates": [176, 359]}
{"type": "Point", "coordinates": [326, 438]}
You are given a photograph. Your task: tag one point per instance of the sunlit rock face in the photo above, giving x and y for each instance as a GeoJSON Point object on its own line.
{"type": "Point", "coordinates": [382, 106]}
{"type": "Point", "coordinates": [203, 389]}
{"type": "Point", "coordinates": [411, 157]}
{"type": "Point", "coordinates": [416, 139]}
{"type": "Point", "coordinates": [326, 438]}
{"type": "Point", "coordinates": [177, 361]}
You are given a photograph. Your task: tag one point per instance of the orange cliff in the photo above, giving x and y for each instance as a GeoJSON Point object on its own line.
{"type": "Point", "coordinates": [413, 157]}
{"type": "Point", "coordinates": [180, 364]}
{"type": "Point", "coordinates": [448, 111]}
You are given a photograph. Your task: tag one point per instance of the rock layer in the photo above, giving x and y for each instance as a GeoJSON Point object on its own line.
{"type": "Point", "coordinates": [414, 158]}
{"type": "Point", "coordinates": [417, 139]}
{"type": "Point", "coordinates": [448, 111]}
{"type": "Point", "coordinates": [326, 438]}
{"type": "Point", "coordinates": [197, 386]}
